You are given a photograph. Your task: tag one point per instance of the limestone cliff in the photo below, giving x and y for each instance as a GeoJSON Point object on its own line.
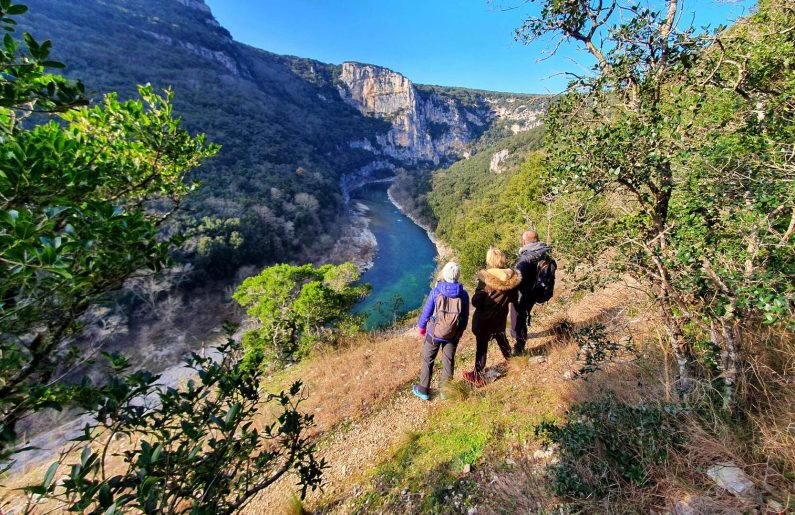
{"type": "Point", "coordinates": [429, 124]}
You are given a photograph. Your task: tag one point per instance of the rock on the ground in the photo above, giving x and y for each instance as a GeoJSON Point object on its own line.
{"type": "Point", "coordinates": [731, 478]}
{"type": "Point", "coordinates": [536, 360]}
{"type": "Point", "coordinates": [692, 505]}
{"type": "Point", "coordinates": [569, 375]}
{"type": "Point", "coordinates": [492, 375]}
{"type": "Point", "coordinates": [774, 506]}
{"type": "Point", "coordinates": [467, 468]}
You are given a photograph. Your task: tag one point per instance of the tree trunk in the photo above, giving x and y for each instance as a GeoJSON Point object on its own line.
{"type": "Point", "coordinates": [726, 337]}
{"type": "Point", "coordinates": [679, 346]}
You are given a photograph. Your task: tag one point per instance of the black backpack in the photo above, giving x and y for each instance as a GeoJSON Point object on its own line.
{"type": "Point", "coordinates": [545, 280]}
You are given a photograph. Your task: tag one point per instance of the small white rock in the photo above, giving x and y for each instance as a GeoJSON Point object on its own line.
{"type": "Point", "coordinates": [467, 468]}
{"type": "Point", "coordinates": [569, 375]}
{"type": "Point", "coordinates": [537, 360]}
{"type": "Point", "coordinates": [693, 505]}
{"type": "Point", "coordinates": [492, 374]}
{"type": "Point", "coordinates": [731, 478]}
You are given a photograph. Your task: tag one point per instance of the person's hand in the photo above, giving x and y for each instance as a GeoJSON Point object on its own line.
{"type": "Point", "coordinates": [422, 331]}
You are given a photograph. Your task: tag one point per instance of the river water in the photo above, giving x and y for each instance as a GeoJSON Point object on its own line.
{"type": "Point", "coordinates": [403, 265]}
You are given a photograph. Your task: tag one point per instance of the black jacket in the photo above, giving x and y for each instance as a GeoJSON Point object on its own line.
{"type": "Point", "coordinates": [529, 256]}
{"type": "Point", "coordinates": [497, 289]}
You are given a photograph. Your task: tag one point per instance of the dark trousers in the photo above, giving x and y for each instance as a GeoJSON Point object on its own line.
{"type": "Point", "coordinates": [520, 320]}
{"type": "Point", "coordinates": [482, 347]}
{"type": "Point", "coordinates": [429, 350]}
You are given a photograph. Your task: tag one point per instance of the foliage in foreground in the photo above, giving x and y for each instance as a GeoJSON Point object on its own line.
{"type": "Point", "coordinates": [298, 307]}
{"type": "Point", "coordinates": [203, 448]}
{"type": "Point", "coordinates": [688, 138]}
{"type": "Point", "coordinates": [605, 444]}
{"type": "Point", "coordinates": [81, 199]}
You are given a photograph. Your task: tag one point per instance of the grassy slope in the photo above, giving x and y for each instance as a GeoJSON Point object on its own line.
{"type": "Point", "coordinates": [390, 451]}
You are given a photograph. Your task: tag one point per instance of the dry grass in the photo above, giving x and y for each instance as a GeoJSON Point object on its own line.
{"type": "Point", "coordinates": [363, 410]}
{"type": "Point", "coordinates": [768, 395]}
{"type": "Point", "coordinates": [456, 390]}
{"type": "Point", "coordinates": [346, 382]}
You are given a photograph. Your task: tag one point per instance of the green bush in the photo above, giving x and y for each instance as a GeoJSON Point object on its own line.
{"type": "Point", "coordinates": [605, 444]}
{"type": "Point", "coordinates": [298, 307]}
{"type": "Point", "coordinates": [83, 193]}
{"type": "Point", "coordinates": [597, 349]}
{"type": "Point", "coordinates": [194, 449]}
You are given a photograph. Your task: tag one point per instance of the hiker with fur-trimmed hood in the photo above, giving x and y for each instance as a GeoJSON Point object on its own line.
{"type": "Point", "coordinates": [496, 290]}
{"type": "Point", "coordinates": [444, 319]}
{"type": "Point", "coordinates": [530, 254]}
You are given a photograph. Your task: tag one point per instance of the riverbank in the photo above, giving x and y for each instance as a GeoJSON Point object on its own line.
{"type": "Point", "coordinates": [443, 251]}
{"type": "Point", "coordinates": [357, 244]}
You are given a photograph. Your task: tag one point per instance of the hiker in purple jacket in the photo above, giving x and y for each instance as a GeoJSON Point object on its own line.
{"type": "Point", "coordinates": [444, 319]}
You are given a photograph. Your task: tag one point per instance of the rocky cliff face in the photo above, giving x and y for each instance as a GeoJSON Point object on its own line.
{"type": "Point", "coordinates": [427, 126]}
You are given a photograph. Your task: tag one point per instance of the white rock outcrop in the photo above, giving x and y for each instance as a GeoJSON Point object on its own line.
{"type": "Point", "coordinates": [498, 159]}
{"type": "Point", "coordinates": [426, 125]}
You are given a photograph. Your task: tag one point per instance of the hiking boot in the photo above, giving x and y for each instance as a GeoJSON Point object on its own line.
{"type": "Point", "coordinates": [416, 391]}
{"type": "Point", "coordinates": [473, 379]}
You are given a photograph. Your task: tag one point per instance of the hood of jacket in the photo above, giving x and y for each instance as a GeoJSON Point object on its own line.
{"type": "Point", "coordinates": [451, 290]}
{"type": "Point", "coordinates": [501, 279]}
{"type": "Point", "coordinates": [532, 252]}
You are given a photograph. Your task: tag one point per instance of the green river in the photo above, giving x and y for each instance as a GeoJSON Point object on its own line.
{"type": "Point", "coordinates": [403, 266]}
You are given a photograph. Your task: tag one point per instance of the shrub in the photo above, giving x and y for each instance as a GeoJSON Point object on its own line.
{"type": "Point", "coordinates": [195, 449]}
{"type": "Point", "coordinates": [605, 444]}
{"type": "Point", "coordinates": [596, 348]}
{"type": "Point", "coordinates": [83, 193]}
{"type": "Point", "coordinates": [297, 307]}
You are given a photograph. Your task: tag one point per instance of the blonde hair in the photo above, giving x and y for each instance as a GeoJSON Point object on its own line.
{"type": "Point", "coordinates": [495, 258]}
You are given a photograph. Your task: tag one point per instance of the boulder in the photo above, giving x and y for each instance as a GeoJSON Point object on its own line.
{"type": "Point", "coordinates": [731, 478]}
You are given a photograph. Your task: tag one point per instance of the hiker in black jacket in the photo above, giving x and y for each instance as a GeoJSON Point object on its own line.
{"type": "Point", "coordinates": [496, 290]}
{"type": "Point", "coordinates": [531, 252]}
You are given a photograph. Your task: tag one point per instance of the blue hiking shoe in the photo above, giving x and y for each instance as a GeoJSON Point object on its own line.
{"type": "Point", "coordinates": [416, 391]}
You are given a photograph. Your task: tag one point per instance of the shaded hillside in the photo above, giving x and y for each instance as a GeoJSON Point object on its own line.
{"type": "Point", "coordinates": [487, 199]}
{"type": "Point", "coordinates": [275, 182]}
{"type": "Point", "coordinates": [290, 128]}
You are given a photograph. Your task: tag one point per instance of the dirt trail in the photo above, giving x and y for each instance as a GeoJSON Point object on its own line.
{"type": "Point", "coordinates": [351, 450]}
{"type": "Point", "coordinates": [363, 406]}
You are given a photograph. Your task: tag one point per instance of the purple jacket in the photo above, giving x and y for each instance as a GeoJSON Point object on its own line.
{"type": "Point", "coordinates": [451, 290]}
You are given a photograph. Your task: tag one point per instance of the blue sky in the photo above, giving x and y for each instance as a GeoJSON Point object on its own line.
{"type": "Point", "coordinates": [465, 43]}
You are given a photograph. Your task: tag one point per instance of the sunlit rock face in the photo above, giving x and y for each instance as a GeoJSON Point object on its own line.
{"type": "Point", "coordinates": [426, 125]}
